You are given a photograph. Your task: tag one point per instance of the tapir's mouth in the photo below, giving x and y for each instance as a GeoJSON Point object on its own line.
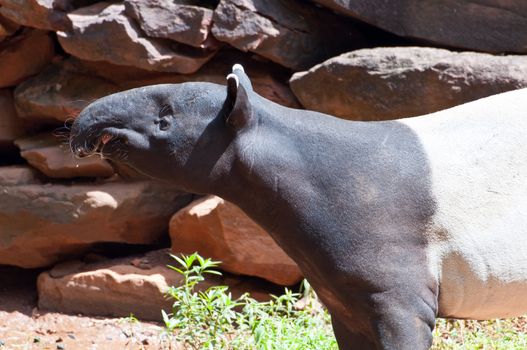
{"type": "Point", "coordinates": [97, 146]}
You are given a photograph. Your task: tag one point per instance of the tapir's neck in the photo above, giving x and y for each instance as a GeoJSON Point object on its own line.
{"type": "Point", "coordinates": [283, 166]}
{"type": "Point", "coordinates": [267, 160]}
{"type": "Point", "coordinates": [306, 178]}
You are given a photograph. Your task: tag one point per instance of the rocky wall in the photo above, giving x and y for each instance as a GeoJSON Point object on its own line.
{"type": "Point", "coordinates": [359, 60]}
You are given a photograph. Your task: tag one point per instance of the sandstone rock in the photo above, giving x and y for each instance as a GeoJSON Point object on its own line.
{"type": "Point", "coordinates": [113, 288]}
{"type": "Point", "coordinates": [220, 230]}
{"type": "Point", "coordinates": [52, 156]}
{"type": "Point", "coordinates": [24, 55]}
{"type": "Point", "coordinates": [389, 83]}
{"type": "Point", "coordinates": [117, 287]}
{"type": "Point", "coordinates": [11, 126]}
{"type": "Point", "coordinates": [17, 175]}
{"type": "Point", "coordinates": [292, 33]}
{"type": "Point", "coordinates": [43, 224]}
{"type": "Point", "coordinates": [173, 20]}
{"type": "Point", "coordinates": [7, 28]}
{"type": "Point", "coordinates": [59, 94]}
{"type": "Point", "coordinates": [268, 79]}
{"type": "Point", "coordinates": [42, 14]}
{"type": "Point", "coordinates": [483, 25]}
{"type": "Point", "coordinates": [102, 32]}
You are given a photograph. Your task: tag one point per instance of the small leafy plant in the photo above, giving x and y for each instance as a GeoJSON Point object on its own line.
{"type": "Point", "coordinates": [203, 318]}
{"type": "Point", "coordinates": [213, 319]}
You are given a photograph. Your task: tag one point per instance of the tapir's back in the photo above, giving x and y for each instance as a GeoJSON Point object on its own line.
{"type": "Point", "coordinates": [478, 158]}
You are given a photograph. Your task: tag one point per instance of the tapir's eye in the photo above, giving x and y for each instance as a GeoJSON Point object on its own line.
{"type": "Point", "coordinates": [164, 123]}
{"type": "Point", "coordinates": [164, 117]}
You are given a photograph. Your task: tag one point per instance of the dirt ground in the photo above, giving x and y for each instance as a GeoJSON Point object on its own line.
{"type": "Point", "coordinates": [24, 326]}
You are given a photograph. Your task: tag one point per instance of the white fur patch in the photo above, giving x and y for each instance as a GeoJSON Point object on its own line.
{"type": "Point", "coordinates": [478, 239]}
{"type": "Point", "coordinates": [238, 66]}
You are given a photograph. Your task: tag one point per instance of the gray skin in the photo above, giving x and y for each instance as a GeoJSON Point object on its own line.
{"type": "Point", "coordinates": [346, 202]}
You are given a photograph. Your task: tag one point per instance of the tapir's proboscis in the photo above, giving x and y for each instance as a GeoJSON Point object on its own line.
{"type": "Point", "coordinates": [394, 223]}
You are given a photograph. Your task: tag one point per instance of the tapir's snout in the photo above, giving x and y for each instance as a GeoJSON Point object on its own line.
{"type": "Point", "coordinates": [80, 152]}
{"type": "Point", "coordinates": [85, 140]}
{"type": "Point", "coordinates": [106, 137]}
{"type": "Point", "coordinates": [78, 144]}
{"type": "Point", "coordinates": [83, 147]}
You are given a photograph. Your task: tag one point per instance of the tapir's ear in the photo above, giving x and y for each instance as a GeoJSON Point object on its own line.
{"type": "Point", "coordinates": [244, 80]}
{"type": "Point", "coordinates": [239, 110]}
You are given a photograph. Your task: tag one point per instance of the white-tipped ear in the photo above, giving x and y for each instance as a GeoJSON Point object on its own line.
{"type": "Point", "coordinates": [243, 79]}
{"type": "Point", "coordinates": [237, 106]}
{"type": "Point", "coordinates": [232, 77]}
{"type": "Point", "coordinates": [238, 66]}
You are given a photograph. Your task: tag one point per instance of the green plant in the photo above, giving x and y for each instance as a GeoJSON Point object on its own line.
{"type": "Point", "coordinates": [212, 319]}
{"type": "Point", "coordinates": [506, 334]}
{"type": "Point", "coordinates": [131, 328]}
{"type": "Point", "coordinates": [289, 321]}
{"type": "Point", "coordinates": [202, 319]}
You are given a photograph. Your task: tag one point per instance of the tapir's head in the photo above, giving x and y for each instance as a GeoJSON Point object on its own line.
{"type": "Point", "coordinates": [172, 132]}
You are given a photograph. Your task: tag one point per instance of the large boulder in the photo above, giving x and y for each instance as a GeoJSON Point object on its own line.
{"type": "Point", "coordinates": [52, 156]}
{"type": "Point", "coordinates": [220, 230]}
{"type": "Point", "coordinates": [17, 175]}
{"type": "Point", "coordinates": [118, 287]}
{"type": "Point", "coordinates": [103, 32]}
{"type": "Point", "coordinates": [268, 79]}
{"type": "Point", "coordinates": [483, 25]}
{"type": "Point", "coordinates": [175, 20]}
{"type": "Point", "coordinates": [42, 14]}
{"type": "Point", "coordinates": [397, 82]}
{"type": "Point", "coordinates": [59, 94]}
{"type": "Point", "coordinates": [7, 28]}
{"type": "Point", "coordinates": [292, 33]}
{"type": "Point", "coordinates": [11, 127]}
{"type": "Point", "coordinates": [41, 224]}
{"type": "Point", "coordinates": [24, 55]}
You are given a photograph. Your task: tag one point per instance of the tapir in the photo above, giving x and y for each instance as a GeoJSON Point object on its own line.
{"type": "Point", "coordinates": [394, 223]}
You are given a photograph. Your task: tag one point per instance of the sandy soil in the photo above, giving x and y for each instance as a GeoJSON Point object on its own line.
{"type": "Point", "coordinates": [23, 326]}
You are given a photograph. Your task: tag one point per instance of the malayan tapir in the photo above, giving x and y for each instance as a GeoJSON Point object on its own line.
{"type": "Point", "coordinates": [393, 223]}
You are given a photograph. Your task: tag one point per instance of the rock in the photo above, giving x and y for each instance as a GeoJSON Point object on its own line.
{"type": "Point", "coordinates": [268, 79]}
{"type": "Point", "coordinates": [292, 33]}
{"type": "Point", "coordinates": [482, 25]}
{"type": "Point", "coordinates": [42, 14]}
{"type": "Point", "coordinates": [52, 156]}
{"type": "Point", "coordinates": [17, 175]}
{"type": "Point", "coordinates": [220, 230]}
{"type": "Point", "coordinates": [102, 32]}
{"type": "Point", "coordinates": [397, 82]}
{"type": "Point", "coordinates": [43, 224]}
{"type": "Point", "coordinates": [11, 127]}
{"type": "Point", "coordinates": [7, 28]}
{"type": "Point", "coordinates": [24, 55]}
{"type": "Point", "coordinates": [173, 20]}
{"type": "Point", "coordinates": [117, 288]}
{"type": "Point", "coordinates": [59, 94]}
{"type": "Point", "coordinates": [66, 267]}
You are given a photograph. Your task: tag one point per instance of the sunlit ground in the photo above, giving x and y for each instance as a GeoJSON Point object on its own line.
{"type": "Point", "coordinates": [495, 334]}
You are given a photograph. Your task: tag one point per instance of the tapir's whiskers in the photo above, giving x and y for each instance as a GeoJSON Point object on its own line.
{"type": "Point", "coordinates": [62, 134]}
{"type": "Point", "coordinates": [142, 173]}
{"type": "Point", "coordinates": [121, 154]}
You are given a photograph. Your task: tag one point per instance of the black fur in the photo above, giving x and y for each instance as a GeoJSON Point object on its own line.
{"type": "Point", "coordinates": [348, 201]}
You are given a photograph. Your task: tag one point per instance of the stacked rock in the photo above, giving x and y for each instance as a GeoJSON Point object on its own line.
{"type": "Point", "coordinates": [359, 60]}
